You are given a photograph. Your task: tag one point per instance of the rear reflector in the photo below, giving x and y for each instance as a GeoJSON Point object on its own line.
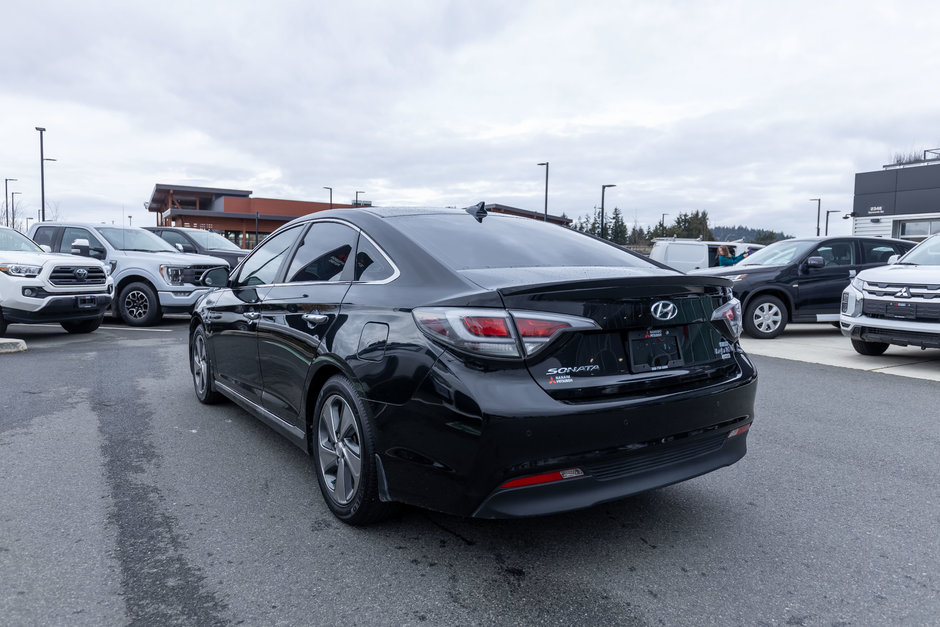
{"type": "Point", "coordinates": [739, 430]}
{"type": "Point", "coordinates": [548, 477]}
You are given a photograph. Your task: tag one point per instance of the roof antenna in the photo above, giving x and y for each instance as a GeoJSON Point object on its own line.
{"type": "Point", "coordinates": [478, 211]}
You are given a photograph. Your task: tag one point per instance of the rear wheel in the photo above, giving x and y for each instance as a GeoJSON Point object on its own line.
{"type": "Point", "coordinates": [82, 326]}
{"type": "Point", "coordinates": [201, 366]}
{"type": "Point", "coordinates": [765, 318]}
{"type": "Point", "coordinates": [138, 305]}
{"type": "Point", "coordinates": [344, 454]}
{"type": "Point", "coordinates": [869, 348]}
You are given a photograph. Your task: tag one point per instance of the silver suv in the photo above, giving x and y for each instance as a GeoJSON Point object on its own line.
{"type": "Point", "coordinates": [37, 286]}
{"type": "Point", "coordinates": [150, 276]}
{"type": "Point", "coordinates": [895, 304]}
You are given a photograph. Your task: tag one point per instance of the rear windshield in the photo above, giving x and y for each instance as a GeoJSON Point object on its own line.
{"type": "Point", "coordinates": [508, 242]}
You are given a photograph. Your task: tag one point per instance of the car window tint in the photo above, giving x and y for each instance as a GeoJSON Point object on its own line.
{"type": "Point", "coordinates": [462, 243]}
{"type": "Point", "coordinates": [72, 233]}
{"type": "Point", "coordinates": [836, 253]}
{"type": "Point", "coordinates": [322, 253]}
{"type": "Point", "coordinates": [371, 264]}
{"type": "Point", "coordinates": [44, 235]}
{"type": "Point", "coordinates": [177, 241]}
{"type": "Point", "coordinates": [878, 252]}
{"type": "Point", "coordinates": [262, 265]}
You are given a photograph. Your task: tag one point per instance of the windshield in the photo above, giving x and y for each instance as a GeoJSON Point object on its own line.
{"type": "Point", "coordinates": [778, 253]}
{"type": "Point", "coordinates": [14, 240]}
{"type": "Point", "coordinates": [208, 239]}
{"type": "Point", "coordinates": [509, 242]}
{"type": "Point", "coordinates": [927, 253]}
{"type": "Point", "coordinates": [135, 239]}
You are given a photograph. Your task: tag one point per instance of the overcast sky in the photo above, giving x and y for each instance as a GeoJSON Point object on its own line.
{"type": "Point", "coordinates": [743, 109]}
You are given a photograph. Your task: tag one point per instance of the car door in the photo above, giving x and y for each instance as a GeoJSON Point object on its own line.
{"type": "Point", "coordinates": [819, 290]}
{"type": "Point", "coordinates": [301, 312]}
{"type": "Point", "coordinates": [232, 314]}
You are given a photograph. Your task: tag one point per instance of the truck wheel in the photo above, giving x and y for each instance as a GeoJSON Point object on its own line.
{"type": "Point", "coordinates": [869, 348]}
{"type": "Point", "coordinates": [82, 326]}
{"type": "Point", "coordinates": [765, 318]}
{"type": "Point", "coordinates": [138, 305]}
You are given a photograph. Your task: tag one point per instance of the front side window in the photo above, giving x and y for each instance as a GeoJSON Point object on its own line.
{"type": "Point", "coordinates": [44, 235]}
{"type": "Point", "coordinates": [260, 268]}
{"type": "Point", "coordinates": [71, 233]}
{"type": "Point", "coordinates": [322, 253]}
{"type": "Point", "coordinates": [836, 253]}
{"type": "Point", "coordinates": [177, 241]}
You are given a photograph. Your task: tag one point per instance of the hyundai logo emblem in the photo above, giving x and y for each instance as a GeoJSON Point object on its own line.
{"type": "Point", "coordinates": [664, 310]}
{"type": "Point", "coordinates": [81, 274]}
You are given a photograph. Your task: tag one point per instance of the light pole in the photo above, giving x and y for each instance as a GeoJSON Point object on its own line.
{"type": "Point", "coordinates": [603, 190]}
{"type": "Point", "coordinates": [42, 176]}
{"type": "Point", "coordinates": [28, 218]}
{"type": "Point", "coordinates": [12, 210]}
{"type": "Point", "coordinates": [546, 190]}
{"type": "Point", "coordinates": [827, 218]}
{"type": "Point", "coordinates": [331, 196]}
{"type": "Point", "coordinates": [357, 197]}
{"type": "Point", "coordinates": [6, 198]}
{"type": "Point", "coordinates": [662, 224]}
{"type": "Point", "coordinates": [818, 205]}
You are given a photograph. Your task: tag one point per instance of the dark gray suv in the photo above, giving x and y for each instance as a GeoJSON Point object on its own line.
{"type": "Point", "coordinates": [199, 241]}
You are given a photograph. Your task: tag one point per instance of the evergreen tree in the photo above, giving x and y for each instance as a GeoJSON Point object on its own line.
{"type": "Point", "coordinates": [617, 233]}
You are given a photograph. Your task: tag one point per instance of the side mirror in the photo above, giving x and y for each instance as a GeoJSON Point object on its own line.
{"type": "Point", "coordinates": [80, 247]}
{"type": "Point", "coordinates": [215, 277]}
{"type": "Point", "coordinates": [815, 262]}
{"type": "Point", "coordinates": [46, 247]}
{"type": "Point", "coordinates": [893, 259]}
{"type": "Point", "coordinates": [180, 247]}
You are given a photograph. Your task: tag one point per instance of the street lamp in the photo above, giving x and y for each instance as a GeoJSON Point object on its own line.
{"type": "Point", "coordinates": [42, 176]}
{"type": "Point", "coordinates": [827, 218]}
{"type": "Point", "coordinates": [6, 198]}
{"type": "Point", "coordinates": [662, 224]}
{"type": "Point", "coordinates": [603, 190]}
{"type": "Point", "coordinates": [546, 190]}
{"type": "Point", "coordinates": [331, 196]}
{"type": "Point", "coordinates": [818, 205]}
{"type": "Point", "coordinates": [28, 218]}
{"type": "Point", "coordinates": [12, 215]}
{"type": "Point", "coordinates": [357, 197]}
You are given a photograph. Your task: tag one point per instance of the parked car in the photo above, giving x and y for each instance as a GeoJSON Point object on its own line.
{"type": "Point", "coordinates": [150, 276]}
{"type": "Point", "coordinates": [201, 242]}
{"type": "Point", "coordinates": [896, 304]}
{"type": "Point", "coordinates": [801, 280]}
{"type": "Point", "coordinates": [482, 365]}
{"type": "Point", "coordinates": [694, 254]}
{"type": "Point", "coordinates": [37, 286]}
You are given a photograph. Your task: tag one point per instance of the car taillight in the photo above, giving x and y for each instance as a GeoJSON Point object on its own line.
{"type": "Point", "coordinates": [495, 332]}
{"type": "Point", "coordinates": [729, 319]}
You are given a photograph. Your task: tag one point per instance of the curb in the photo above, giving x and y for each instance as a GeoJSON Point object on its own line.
{"type": "Point", "coordinates": [12, 346]}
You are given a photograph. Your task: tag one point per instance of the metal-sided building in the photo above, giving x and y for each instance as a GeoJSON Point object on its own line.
{"type": "Point", "coordinates": [900, 200]}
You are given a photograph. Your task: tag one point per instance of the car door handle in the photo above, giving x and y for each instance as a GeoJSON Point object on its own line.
{"type": "Point", "coordinates": [251, 315]}
{"type": "Point", "coordinates": [315, 318]}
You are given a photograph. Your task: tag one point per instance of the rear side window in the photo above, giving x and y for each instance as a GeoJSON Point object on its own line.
{"type": "Point", "coordinates": [462, 243]}
{"type": "Point", "coordinates": [879, 252]}
{"type": "Point", "coordinates": [371, 264]}
{"type": "Point", "coordinates": [322, 253]}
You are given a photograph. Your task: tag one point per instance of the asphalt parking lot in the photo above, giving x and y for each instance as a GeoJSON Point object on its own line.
{"type": "Point", "coordinates": [125, 501]}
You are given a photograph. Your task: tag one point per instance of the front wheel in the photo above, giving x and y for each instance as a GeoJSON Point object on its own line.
{"type": "Point", "coordinates": [201, 366]}
{"type": "Point", "coordinates": [138, 305]}
{"type": "Point", "coordinates": [344, 454]}
{"type": "Point", "coordinates": [765, 318]}
{"type": "Point", "coordinates": [869, 348]}
{"type": "Point", "coordinates": [82, 326]}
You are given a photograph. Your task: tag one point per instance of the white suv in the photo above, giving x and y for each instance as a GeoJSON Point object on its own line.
{"type": "Point", "coordinates": [895, 304]}
{"type": "Point", "coordinates": [686, 255]}
{"type": "Point", "coordinates": [37, 286]}
{"type": "Point", "coordinates": [150, 276]}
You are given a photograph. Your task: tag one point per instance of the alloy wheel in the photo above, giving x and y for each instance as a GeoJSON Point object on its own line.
{"type": "Point", "coordinates": [136, 304]}
{"type": "Point", "coordinates": [339, 449]}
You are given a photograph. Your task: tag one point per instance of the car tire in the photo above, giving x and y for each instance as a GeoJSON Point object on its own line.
{"type": "Point", "coordinates": [344, 454]}
{"type": "Point", "coordinates": [765, 318]}
{"type": "Point", "coordinates": [869, 348]}
{"type": "Point", "coordinates": [138, 305]}
{"type": "Point", "coordinates": [200, 364]}
{"type": "Point", "coordinates": [3, 326]}
{"type": "Point", "coordinates": [82, 326]}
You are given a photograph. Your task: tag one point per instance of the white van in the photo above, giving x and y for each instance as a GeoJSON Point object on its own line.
{"type": "Point", "coordinates": [693, 254]}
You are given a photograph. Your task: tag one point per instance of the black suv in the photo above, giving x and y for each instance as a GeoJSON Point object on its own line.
{"type": "Point", "coordinates": [200, 241]}
{"type": "Point", "coordinates": [801, 280]}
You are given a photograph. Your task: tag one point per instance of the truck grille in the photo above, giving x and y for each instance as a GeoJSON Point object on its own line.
{"type": "Point", "coordinates": [193, 274]}
{"type": "Point", "coordinates": [915, 311]}
{"type": "Point", "coordinates": [78, 275]}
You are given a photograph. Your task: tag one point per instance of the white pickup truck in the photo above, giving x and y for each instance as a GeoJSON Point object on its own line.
{"type": "Point", "coordinates": [895, 304]}
{"type": "Point", "coordinates": [37, 286]}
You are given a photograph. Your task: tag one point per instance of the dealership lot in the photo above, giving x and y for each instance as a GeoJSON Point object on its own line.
{"type": "Point", "coordinates": [124, 499]}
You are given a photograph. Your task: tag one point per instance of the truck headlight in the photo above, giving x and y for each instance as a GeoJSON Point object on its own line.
{"type": "Point", "coordinates": [172, 274]}
{"type": "Point", "coordinates": [858, 284]}
{"type": "Point", "coordinates": [20, 269]}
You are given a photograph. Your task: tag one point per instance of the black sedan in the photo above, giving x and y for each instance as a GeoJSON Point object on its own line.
{"type": "Point", "coordinates": [480, 365]}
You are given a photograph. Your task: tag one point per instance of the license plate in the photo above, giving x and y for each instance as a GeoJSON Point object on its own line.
{"type": "Point", "coordinates": [901, 310]}
{"type": "Point", "coordinates": [654, 349]}
{"type": "Point", "coordinates": [86, 302]}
